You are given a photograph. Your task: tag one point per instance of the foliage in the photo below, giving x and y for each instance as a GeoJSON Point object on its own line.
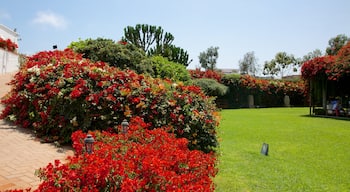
{"type": "Point", "coordinates": [248, 64]}
{"type": "Point", "coordinates": [211, 87]}
{"type": "Point", "coordinates": [8, 45]}
{"type": "Point", "coordinates": [309, 56]}
{"type": "Point", "coordinates": [280, 64]}
{"type": "Point", "coordinates": [140, 160]}
{"type": "Point", "coordinates": [59, 92]}
{"type": "Point", "coordinates": [117, 54]}
{"type": "Point", "coordinates": [265, 85]}
{"type": "Point", "coordinates": [306, 153]}
{"type": "Point", "coordinates": [208, 58]}
{"type": "Point", "coordinates": [173, 53]}
{"type": "Point", "coordinates": [333, 67]}
{"type": "Point", "coordinates": [341, 66]}
{"type": "Point", "coordinates": [152, 40]}
{"type": "Point", "coordinates": [163, 68]}
{"type": "Point", "coordinates": [336, 43]}
{"type": "Point", "coordinates": [208, 74]}
{"type": "Point", "coordinates": [316, 67]}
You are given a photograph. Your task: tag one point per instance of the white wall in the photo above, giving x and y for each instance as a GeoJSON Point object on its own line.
{"type": "Point", "coordinates": [8, 60]}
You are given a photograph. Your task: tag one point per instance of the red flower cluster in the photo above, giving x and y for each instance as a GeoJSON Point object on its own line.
{"type": "Point", "coordinates": [317, 66]}
{"type": "Point", "coordinates": [333, 67]}
{"type": "Point", "coordinates": [140, 160]}
{"type": "Point", "coordinates": [8, 45]}
{"type": "Point", "coordinates": [210, 74]}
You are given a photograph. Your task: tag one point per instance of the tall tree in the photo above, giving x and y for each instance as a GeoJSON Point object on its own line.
{"type": "Point", "coordinates": [248, 64]}
{"type": "Point", "coordinates": [281, 64]}
{"type": "Point", "coordinates": [208, 58]}
{"type": "Point", "coordinates": [336, 43]}
{"type": "Point", "coordinates": [154, 41]}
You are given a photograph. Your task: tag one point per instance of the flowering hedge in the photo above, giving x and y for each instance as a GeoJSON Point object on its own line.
{"type": "Point", "coordinates": [265, 85]}
{"type": "Point", "coordinates": [333, 67]}
{"type": "Point", "coordinates": [8, 45]}
{"type": "Point", "coordinates": [58, 92]}
{"type": "Point", "coordinates": [207, 74]}
{"type": "Point", "coordinates": [317, 67]}
{"type": "Point", "coordinates": [140, 160]}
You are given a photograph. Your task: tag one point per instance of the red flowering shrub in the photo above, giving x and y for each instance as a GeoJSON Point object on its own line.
{"type": "Point", "coordinates": [333, 67]}
{"type": "Point", "coordinates": [271, 86]}
{"type": "Point", "coordinates": [140, 160]}
{"type": "Point", "coordinates": [317, 67]}
{"type": "Point", "coordinates": [208, 74]}
{"type": "Point", "coordinates": [58, 92]}
{"type": "Point", "coordinates": [7, 44]}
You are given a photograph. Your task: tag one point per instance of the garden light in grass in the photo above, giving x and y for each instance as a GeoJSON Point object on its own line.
{"type": "Point", "coordinates": [89, 143]}
{"type": "Point", "coordinates": [125, 126]}
{"type": "Point", "coordinates": [265, 149]}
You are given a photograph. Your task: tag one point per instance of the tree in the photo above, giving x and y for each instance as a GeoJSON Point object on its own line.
{"type": "Point", "coordinates": [172, 53]}
{"type": "Point", "coordinates": [154, 41]}
{"type": "Point", "coordinates": [208, 59]}
{"type": "Point", "coordinates": [336, 43]}
{"type": "Point", "coordinates": [281, 64]}
{"type": "Point", "coordinates": [309, 56]}
{"type": "Point", "coordinates": [144, 36]}
{"type": "Point", "coordinates": [248, 64]}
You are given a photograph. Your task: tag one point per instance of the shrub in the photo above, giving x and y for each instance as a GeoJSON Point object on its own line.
{"type": "Point", "coordinates": [141, 160]}
{"type": "Point", "coordinates": [58, 92]}
{"type": "Point", "coordinates": [208, 74]}
{"type": "Point", "coordinates": [163, 68]}
{"type": "Point", "coordinates": [211, 87]}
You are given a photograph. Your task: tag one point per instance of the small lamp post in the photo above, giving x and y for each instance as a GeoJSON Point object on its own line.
{"type": "Point", "coordinates": [89, 143]}
{"type": "Point", "coordinates": [125, 126]}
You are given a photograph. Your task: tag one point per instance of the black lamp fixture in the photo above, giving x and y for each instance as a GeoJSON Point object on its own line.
{"type": "Point", "coordinates": [265, 149]}
{"type": "Point", "coordinates": [125, 126]}
{"type": "Point", "coordinates": [89, 143]}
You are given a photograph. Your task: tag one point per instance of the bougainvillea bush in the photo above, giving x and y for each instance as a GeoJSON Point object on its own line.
{"type": "Point", "coordinates": [58, 92]}
{"type": "Point", "coordinates": [267, 92]}
{"type": "Point", "coordinates": [140, 160]}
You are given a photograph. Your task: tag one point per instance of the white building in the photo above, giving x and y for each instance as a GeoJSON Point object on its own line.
{"type": "Point", "coordinates": [8, 60]}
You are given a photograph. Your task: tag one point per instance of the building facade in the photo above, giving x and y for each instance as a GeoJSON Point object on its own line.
{"type": "Point", "coordinates": [8, 59]}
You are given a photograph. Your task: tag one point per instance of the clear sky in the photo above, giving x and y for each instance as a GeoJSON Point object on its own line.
{"type": "Point", "coordinates": [236, 27]}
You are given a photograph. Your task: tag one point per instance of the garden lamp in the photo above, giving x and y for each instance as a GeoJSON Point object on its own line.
{"type": "Point", "coordinates": [89, 143]}
{"type": "Point", "coordinates": [265, 149]}
{"type": "Point", "coordinates": [125, 126]}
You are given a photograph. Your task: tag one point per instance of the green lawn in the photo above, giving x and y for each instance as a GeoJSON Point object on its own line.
{"type": "Point", "coordinates": [305, 154]}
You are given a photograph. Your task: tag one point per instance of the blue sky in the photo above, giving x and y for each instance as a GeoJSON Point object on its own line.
{"type": "Point", "coordinates": [236, 27]}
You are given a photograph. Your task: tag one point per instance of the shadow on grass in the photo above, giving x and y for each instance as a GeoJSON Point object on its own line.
{"type": "Point", "coordinates": [327, 117]}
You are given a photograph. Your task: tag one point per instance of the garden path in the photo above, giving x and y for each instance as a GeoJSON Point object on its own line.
{"type": "Point", "coordinates": [21, 153]}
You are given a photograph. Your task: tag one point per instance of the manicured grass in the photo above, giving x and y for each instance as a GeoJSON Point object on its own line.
{"type": "Point", "coordinates": [305, 154]}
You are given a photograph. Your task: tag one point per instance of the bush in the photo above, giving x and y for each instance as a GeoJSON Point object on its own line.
{"type": "Point", "coordinates": [211, 87]}
{"type": "Point", "coordinates": [163, 68]}
{"type": "Point", "coordinates": [140, 160]}
{"type": "Point", "coordinates": [58, 92]}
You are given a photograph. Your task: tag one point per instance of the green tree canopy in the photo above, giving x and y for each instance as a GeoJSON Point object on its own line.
{"type": "Point", "coordinates": [280, 65]}
{"type": "Point", "coordinates": [208, 58]}
{"type": "Point", "coordinates": [336, 43]}
{"type": "Point", "coordinates": [154, 41]}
